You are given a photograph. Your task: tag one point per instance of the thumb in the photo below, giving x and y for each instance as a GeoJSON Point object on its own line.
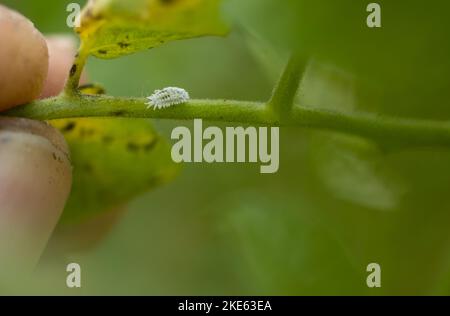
{"type": "Point", "coordinates": [35, 181]}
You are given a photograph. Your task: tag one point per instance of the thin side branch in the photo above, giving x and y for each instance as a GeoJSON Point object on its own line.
{"type": "Point", "coordinates": [71, 87]}
{"type": "Point", "coordinates": [283, 96]}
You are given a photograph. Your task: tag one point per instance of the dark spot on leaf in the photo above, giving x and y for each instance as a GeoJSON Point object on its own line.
{"type": "Point", "coordinates": [73, 70]}
{"type": "Point", "coordinates": [132, 147]}
{"type": "Point", "coordinates": [54, 156]}
{"type": "Point", "coordinates": [123, 45]}
{"type": "Point", "coordinates": [118, 113]}
{"type": "Point", "coordinates": [98, 17]}
{"type": "Point", "coordinates": [107, 139]}
{"type": "Point", "coordinates": [84, 132]}
{"type": "Point", "coordinates": [102, 51]}
{"type": "Point", "coordinates": [150, 145]}
{"type": "Point", "coordinates": [68, 127]}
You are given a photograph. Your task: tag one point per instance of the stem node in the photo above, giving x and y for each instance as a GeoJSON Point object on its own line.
{"type": "Point", "coordinates": [284, 93]}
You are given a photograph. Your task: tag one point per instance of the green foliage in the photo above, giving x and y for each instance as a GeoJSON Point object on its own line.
{"type": "Point", "coordinates": [351, 168]}
{"type": "Point", "coordinates": [339, 201]}
{"type": "Point", "coordinates": [117, 160]}
{"type": "Point", "coordinates": [387, 71]}
{"type": "Point", "coordinates": [113, 28]}
{"type": "Point", "coordinates": [398, 66]}
{"type": "Point", "coordinates": [114, 160]}
{"type": "Point", "coordinates": [283, 250]}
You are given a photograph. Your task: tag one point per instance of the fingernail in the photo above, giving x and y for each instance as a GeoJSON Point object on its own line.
{"type": "Point", "coordinates": [35, 182]}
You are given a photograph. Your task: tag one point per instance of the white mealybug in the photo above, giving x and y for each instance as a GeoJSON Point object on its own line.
{"type": "Point", "coordinates": [167, 97]}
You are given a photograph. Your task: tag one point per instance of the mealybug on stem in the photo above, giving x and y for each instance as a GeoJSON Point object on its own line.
{"type": "Point", "coordinates": [167, 97]}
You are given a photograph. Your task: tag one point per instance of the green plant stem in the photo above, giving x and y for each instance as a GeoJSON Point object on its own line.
{"type": "Point", "coordinates": [71, 87]}
{"type": "Point", "coordinates": [405, 132]}
{"type": "Point", "coordinates": [284, 93]}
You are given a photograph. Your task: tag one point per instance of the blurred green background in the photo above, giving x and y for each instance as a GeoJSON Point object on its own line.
{"type": "Point", "coordinates": [337, 203]}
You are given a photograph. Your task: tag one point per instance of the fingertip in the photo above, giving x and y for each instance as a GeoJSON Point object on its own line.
{"type": "Point", "coordinates": [35, 182]}
{"type": "Point", "coordinates": [23, 59]}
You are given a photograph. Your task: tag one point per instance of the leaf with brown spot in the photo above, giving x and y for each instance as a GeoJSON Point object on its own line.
{"type": "Point", "coordinates": [106, 173]}
{"type": "Point", "coordinates": [113, 28]}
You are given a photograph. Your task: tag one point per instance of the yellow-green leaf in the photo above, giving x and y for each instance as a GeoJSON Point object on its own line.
{"type": "Point", "coordinates": [114, 160]}
{"type": "Point", "coordinates": [112, 28]}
